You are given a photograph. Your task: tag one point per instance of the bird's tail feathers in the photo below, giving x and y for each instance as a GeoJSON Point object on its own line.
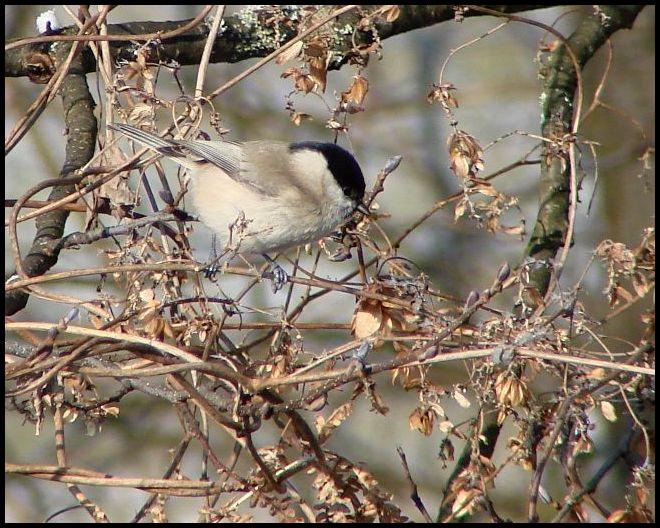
{"type": "Point", "coordinates": [166, 147]}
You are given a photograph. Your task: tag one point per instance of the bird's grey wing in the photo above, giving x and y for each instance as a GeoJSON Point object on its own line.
{"type": "Point", "coordinates": [256, 164]}
{"type": "Point", "coordinates": [226, 155]}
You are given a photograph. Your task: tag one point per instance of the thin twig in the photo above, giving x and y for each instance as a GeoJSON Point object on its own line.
{"type": "Point", "coordinates": [112, 38]}
{"type": "Point", "coordinates": [414, 495]}
{"type": "Point", "coordinates": [279, 51]}
{"type": "Point", "coordinates": [208, 48]}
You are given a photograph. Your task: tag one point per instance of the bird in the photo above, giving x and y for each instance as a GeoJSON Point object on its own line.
{"type": "Point", "coordinates": [265, 196]}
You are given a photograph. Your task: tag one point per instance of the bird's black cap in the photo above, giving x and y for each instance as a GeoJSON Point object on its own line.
{"type": "Point", "coordinates": [342, 165]}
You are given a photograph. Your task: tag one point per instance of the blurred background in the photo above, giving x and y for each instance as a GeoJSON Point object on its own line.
{"type": "Point", "coordinates": [498, 91]}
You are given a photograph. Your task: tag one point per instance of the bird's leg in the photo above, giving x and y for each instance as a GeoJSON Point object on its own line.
{"type": "Point", "coordinates": [280, 277]}
{"type": "Point", "coordinates": [211, 269]}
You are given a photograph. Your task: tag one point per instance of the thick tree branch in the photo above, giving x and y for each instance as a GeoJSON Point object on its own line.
{"type": "Point", "coordinates": [552, 221]}
{"type": "Point", "coordinates": [81, 141]}
{"type": "Point", "coordinates": [246, 35]}
{"type": "Point", "coordinates": [551, 225]}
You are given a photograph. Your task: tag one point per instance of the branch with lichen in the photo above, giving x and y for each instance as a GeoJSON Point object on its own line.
{"type": "Point", "coordinates": [253, 32]}
{"type": "Point", "coordinates": [550, 229]}
{"type": "Point", "coordinates": [552, 223]}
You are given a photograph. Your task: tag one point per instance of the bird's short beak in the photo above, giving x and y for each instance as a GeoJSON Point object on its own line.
{"type": "Point", "coordinates": [362, 208]}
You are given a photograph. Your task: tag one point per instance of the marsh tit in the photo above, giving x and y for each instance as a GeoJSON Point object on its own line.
{"type": "Point", "coordinates": [265, 196]}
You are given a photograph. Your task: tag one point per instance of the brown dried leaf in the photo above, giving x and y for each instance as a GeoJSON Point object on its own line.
{"type": "Point", "coordinates": [98, 322]}
{"type": "Point", "coordinates": [116, 190]}
{"type": "Point", "coordinates": [305, 83]}
{"type": "Point", "coordinates": [367, 319]}
{"type": "Point", "coordinates": [446, 451]}
{"type": "Point", "coordinates": [377, 403]}
{"type": "Point", "coordinates": [357, 91]}
{"type": "Point", "coordinates": [460, 163]}
{"type": "Point", "coordinates": [422, 421]}
{"type": "Point", "coordinates": [297, 117]}
{"type": "Point", "coordinates": [492, 224]}
{"type": "Point", "coordinates": [442, 94]}
{"type": "Point", "coordinates": [291, 72]}
{"type": "Point", "coordinates": [325, 427]}
{"type": "Point", "coordinates": [617, 253]}
{"type": "Point", "coordinates": [510, 390]}
{"type": "Point", "coordinates": [534, 296]}
{"type": "Point", "coordinates": [486, 189]}
{"type": "Point", "coordinates": [391, 12]}
{"type": "Point", "coordinates": [317, 404]}
{"type": "Point", "coordinates": [154, 328]}
{"type": "Point", "coordinates": [460, 209]}
{"type": "Point", "coordinates": [318, 58]}
{"type": "Point", "coordinates": [301, 81]}
{"type": "Point", "coordinates": [465, 154]}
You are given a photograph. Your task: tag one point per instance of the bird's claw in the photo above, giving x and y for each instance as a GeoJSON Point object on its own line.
{"type": "Point", "coordinates": [279, 277]}
{"type": "Point", "coordinates": [211, 271]}
{"type": "Point", "coordinates": [212, 268]}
